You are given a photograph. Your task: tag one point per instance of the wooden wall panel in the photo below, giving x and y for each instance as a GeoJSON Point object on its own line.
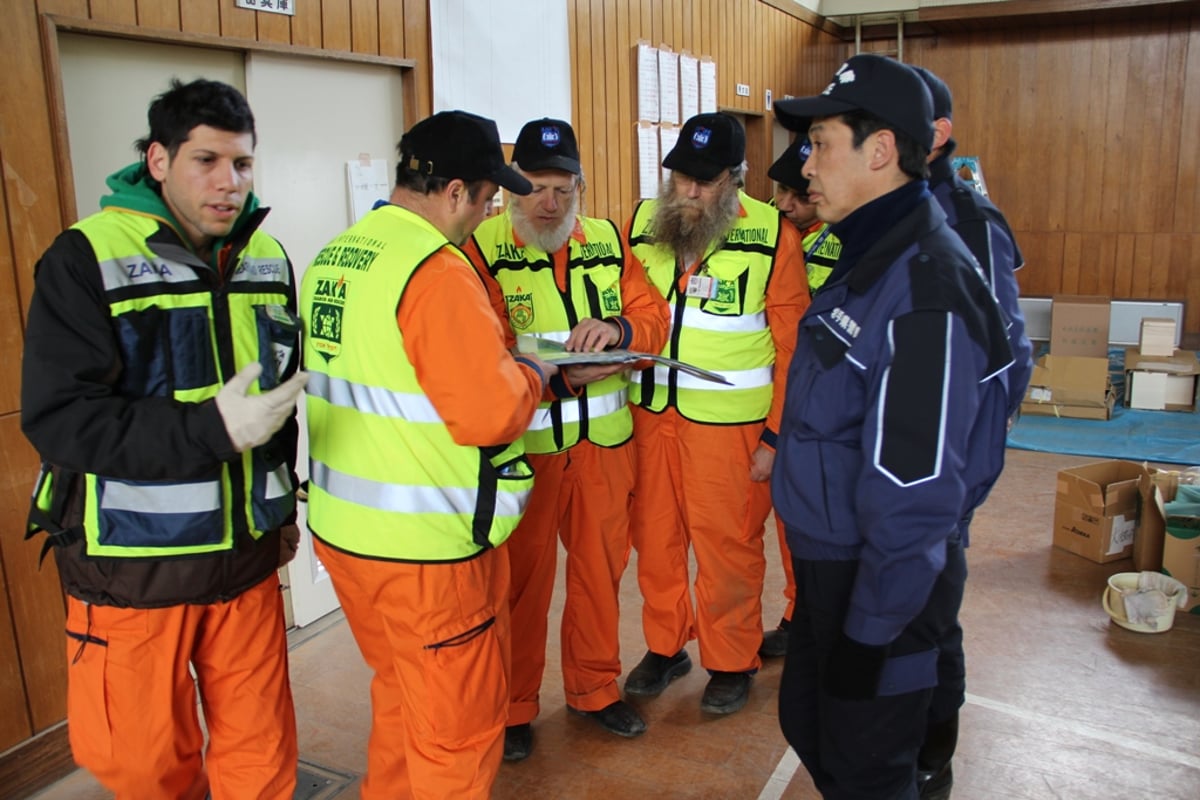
{"type": "Point", "coordinates": [364, 26]}
{"type": "Point", "coordinates": [200, 16]}
{"type": "Point", "coordinates": [15, 725]}
{"type": "Point", "coordinates": [275, 28]}
{"type": "Point", "coordinates": [240, 23]}
{"type": "Point", "coordinates": [11, 328]}
{"type": "Point", "coordinates": [37, 607]}
{"type": "Point", "coordinates": [158, 14]}
{"type": "Point", "coordinates": [1087, 130]}
{"type": "Point", "coordinates": [752, 43]}
{"type": "Point", "coordinates": [123, 12]}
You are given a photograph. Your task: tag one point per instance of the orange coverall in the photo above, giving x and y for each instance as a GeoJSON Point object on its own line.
{"type": "Point", "coordinates": [694, 488]}
{"type": "Point", "coordinates": [438, 713]}
{"type": "Point", "coordinates": [583, 495]}
{"type": "Point", "coordinates": [148, 743]}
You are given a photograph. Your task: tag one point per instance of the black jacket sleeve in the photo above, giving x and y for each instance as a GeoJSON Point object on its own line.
{"type": "Point", "coordinates": [70, 407]}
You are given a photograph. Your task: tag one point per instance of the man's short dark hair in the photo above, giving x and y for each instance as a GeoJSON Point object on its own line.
{"type": "Point", "coordinates": [184, 106]}
{"type": "Point", "coordinates": [912, 155]}
{"type": "Point", "coordinates": [421, 183]}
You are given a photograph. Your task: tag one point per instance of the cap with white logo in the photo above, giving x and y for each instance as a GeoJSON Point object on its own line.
{"type": "Point", "coordinates": [876, 84]}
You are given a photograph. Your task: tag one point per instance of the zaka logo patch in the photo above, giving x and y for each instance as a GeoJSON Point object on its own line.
{"type": "Point", "coordinates": [550, 136]}
{"type": "Point", "coordinates": [700, 138]}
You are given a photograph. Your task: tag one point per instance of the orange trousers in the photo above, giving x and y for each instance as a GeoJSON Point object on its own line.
{"type": "Point", "coordinates": [789, 586]}
{"type": "Point", "coordinates": [582, 495]}
{"type": "Point", "coordinates": [436, 637]}
{"type": "Point", "coordinates": [694, 489]}
{"type": "Point", "coordinates": [131, 699]}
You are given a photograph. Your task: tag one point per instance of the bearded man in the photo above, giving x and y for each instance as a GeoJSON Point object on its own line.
{"type": "Point", "coordinates": [735, 281]}
{"type": "Point", "coordinates": [561, 276]}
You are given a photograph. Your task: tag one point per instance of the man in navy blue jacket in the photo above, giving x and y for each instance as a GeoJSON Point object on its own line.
{"type": "Point", "coordinates": [985, 232]}
{"type": "Point", "coordinates": [892, 433]}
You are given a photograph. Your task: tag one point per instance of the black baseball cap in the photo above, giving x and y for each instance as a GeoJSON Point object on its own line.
{"type": "Point", "coordinates": [547, 144]}
{"type": "Point", "coordinates": [708, 144]}
{"type": "Point", "coordinates": [787, 168]}
{"type": "Point", "coordinates": [875, 84]}
{"type": "Point", "coordinates": [458, 144]}
{"type": "Point", "coordinates": [943, 104]}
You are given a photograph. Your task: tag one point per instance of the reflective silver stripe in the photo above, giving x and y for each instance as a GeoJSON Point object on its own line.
{"type": "Point", "coordinates": [744, 323]}
{"type": "Point", "coordinates": [597, 407]}
{"type": "Point", "coordinates": [137, 270]}
{"type": "Point", "coordinates": [371, 399]}
{"type": "Point", "coordinates": [394, 497]}
{"type": "Point", "coordinates": [278, 484]}
{"type": "Point", "coordinates": [262, 270]}
{"type": "Point", "coordinates": [740, 378]}
{"type": "Point", "coordinates": [173, 498]}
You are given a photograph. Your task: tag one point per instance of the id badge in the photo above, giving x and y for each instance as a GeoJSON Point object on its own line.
{"type": "Point", "coordinates": [702, 286]}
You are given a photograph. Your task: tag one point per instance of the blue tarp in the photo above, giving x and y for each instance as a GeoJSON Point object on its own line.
{"type": "Point", "coordinates": [1171, 437]}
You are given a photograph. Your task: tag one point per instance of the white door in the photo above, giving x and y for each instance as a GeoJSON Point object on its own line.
{"type": "Point", "coordinates": [312, 117]}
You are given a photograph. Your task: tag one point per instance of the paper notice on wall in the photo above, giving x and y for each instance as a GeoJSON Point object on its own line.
{"type": "Point", "coordinates": [668, 85]}
{"type": "Point", "coordinates": [667, 136]}
{"type": "Point", "coordinates": [689, 86]}
{"type": "Point", "coordinates": [648, 160]}
{"type": "Point", "coordinates": [368, 180]}
{"type": "Point", "coordinates": [647, 82]}
{"type": "Point", "coordinates": [708, 85]}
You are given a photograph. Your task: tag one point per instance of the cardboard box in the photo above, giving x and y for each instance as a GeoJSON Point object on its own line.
{"type": "Point", "coordinates": [1167, 545]}
{"type": "Point", "coordinates": [1161, 383]}
{"type": "Point", "coordinates": [1079, 325]}
{"type": "Point", "coordinates": [1070, 386]}
{"type": "Point", "coordinates": [1095, 509]}
{"type": "Point", "coordinates": [1157, 336]}
{"type": "Point", "coordinates": [1155, 487]}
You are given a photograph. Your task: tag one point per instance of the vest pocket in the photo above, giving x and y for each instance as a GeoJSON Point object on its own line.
{"type": "Point", "coordinates": [278, 335]}
{"type": "Point", "coordinates": [272, 495]}
{"type": "Point", "coordinates": [157, 514]}
{"type": "Point", "coordinates": [164, 350]}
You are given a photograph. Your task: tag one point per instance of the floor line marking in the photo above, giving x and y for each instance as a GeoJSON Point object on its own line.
{"type": "Point", "coordinates": [785, 770]}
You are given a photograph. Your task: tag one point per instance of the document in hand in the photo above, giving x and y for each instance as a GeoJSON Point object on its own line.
{"type": "Point", "coordinates": [554, 352]}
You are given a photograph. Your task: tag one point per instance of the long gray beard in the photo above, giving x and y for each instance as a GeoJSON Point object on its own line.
{"type": "Point", "coordinates": [688, 236]}
{"type": "Point", "coordinates": [548, 241]}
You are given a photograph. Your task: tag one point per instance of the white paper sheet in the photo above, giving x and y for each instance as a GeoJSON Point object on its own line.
{"type": "Point", "coordinates": [648, 160]}
{"type": "Point", "coordinates": [368, 181]}
{"type": "Point", "coordinates": [708, 85]}
{"type": "Point", "coordinates": [647, 82]}
{"type": "Point", "coordinates": [474, 68]}
{"type": "Point", "coordinates": [667, 136]}
{"type": "Point", "coordinates": [689, 86]}
{"type": "Point", "coordinates": [668, 86]}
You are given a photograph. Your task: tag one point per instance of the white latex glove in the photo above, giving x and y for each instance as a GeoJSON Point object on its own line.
{"type": "Point", "coordinates": [250, 420]}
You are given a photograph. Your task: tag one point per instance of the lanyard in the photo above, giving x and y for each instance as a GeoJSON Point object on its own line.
{"type": "Point", "coordinates": [817, 244]}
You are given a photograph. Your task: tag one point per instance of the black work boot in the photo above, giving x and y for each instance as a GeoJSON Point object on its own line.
{"type": "Point", "coordinates": [934, 776]}
{"type": "Point", "coordinates": [726, 692]}
{"type": "Point", "coordinates": [619, 718]}
{"type": "Point", "coordinates": [654, 672]}
{"type": "Point", "coordinates": [518, 742]}
{"type": "Point", "coordinates": [775, 642]}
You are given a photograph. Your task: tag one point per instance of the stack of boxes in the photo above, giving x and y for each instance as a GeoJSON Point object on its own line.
{"type": "Point", "coordinates": [1109, 510]}
{"type": "Point", "coordinates": [1157, 375]}
{"type": "Point", "coordinates": [1073, 380]}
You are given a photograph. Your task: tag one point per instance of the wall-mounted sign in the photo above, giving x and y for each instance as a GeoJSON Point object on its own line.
{"type": "Point", "coordinates": [274, 6]}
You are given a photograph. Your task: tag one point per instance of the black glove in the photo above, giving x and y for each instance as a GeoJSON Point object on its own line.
{"type": "Point", "coordinates": [854, 669]}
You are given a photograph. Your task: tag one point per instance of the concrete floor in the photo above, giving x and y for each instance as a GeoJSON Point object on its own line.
{"type": "Point", "coordinates": [1061, 703]}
